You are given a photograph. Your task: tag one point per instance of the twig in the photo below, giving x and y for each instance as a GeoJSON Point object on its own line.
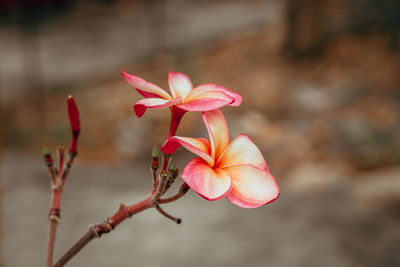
{"type": "Point", "coordinates": [61, 153]}
{"type": "Point", "coordinates": [48, 160]}
{"type": "Point", "coordinates": [182, 191]}
{"type": "Point", "coordinates": [109, 224]}
{"type": "Point", "coordinates": [161, 186]}
{"type": "Point", "coordinates": [166, 158]}
{"type": "Point", "coordinates": [124, 212]}
{"type": "Point", "coordinates": [173, 174]}
{"type": "Point", "coordinates": [86, 238]}
{"type": "Point", "coordinates": [154, 168]}
{"type": "Point", "coordinates": [58, 179]}
{"type": "Point", "coordinates": [59, 175]}
{"type": "Point", "coordinates": [163, 212]}
{"type": "Point", "coordinates": [54, 211]}
{"type": "Point", "coordinates": [52, 238]}
{"type": "Point", "coordinates": [54, 218]}
{"type": "Point", "coordinates": [68, 166]}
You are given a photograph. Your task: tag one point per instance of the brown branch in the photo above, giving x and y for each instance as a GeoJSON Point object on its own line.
{"type": "Point", "coordinates": [109, 224]}
{"type": "Point", "coordinates": [86, 238]}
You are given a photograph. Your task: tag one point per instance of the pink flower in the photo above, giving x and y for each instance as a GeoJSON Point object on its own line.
{"type": "Point", "coordinates": [183, 96]}
{"type": "Point", "coordinates": [235, 170]}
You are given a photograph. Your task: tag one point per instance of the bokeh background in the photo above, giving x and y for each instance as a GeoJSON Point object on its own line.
{"type": "Point", "coordinates": [320, 84]}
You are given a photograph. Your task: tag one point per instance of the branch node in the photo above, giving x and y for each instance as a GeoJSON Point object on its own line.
{"type": "Point", "coordinates": [94, 230]}
{"type": "Point", "coordinates": [57, 187]}
{"type": "Point", "coordinates": [54, 214]}
{"type": "Point", "coordinates": [54, 218]}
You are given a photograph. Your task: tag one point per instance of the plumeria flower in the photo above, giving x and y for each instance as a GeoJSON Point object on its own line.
{"type": "Point", "coordinates": [235, 170]}
{"type": "Point", "coordinates": [183, 96]}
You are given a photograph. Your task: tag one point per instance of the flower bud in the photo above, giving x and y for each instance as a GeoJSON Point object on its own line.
{"type": "Point", "coordinates": [74, 120]}
{"type": "Point", "coordinates": [185, 187]}
{"type": "Point", "coordinates": [47, 155]}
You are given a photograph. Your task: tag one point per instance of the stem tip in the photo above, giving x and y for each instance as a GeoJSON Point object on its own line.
{"type": "Point", "coordinates": [156, 152]}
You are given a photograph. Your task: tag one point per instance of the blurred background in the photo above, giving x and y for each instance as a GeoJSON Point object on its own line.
{"type": "Point", "coordinates": [320, 84]}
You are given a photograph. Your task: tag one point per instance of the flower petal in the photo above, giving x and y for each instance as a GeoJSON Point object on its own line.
{"type": "Point", "coordinates": [198, 146]}
{"type": "Point", "coordinates": [207, 182]}
{"type": "Point", "coordinates": [179, 84]}
{"type": "Point", "coordinates": [252, 187]}
{"type": "Point", "coordinates": [242, 150]}
{"type": "Point", "coordinates": [218, 131]}
{"type": "Point", "coordinates": [204, 104]}
{"type": "Point", "coordinates": [202, 90]}
{"type": "Point", "coordinates": [141, 106]}
{"type": "Point", "coordinates": [145, 88]}
{"type": "Point", "coordinates": [210, 95]}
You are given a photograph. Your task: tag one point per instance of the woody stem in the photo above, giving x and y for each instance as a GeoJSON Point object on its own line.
{"type": "Point", "coordinates": [52, 238]}
{"type": "Point", "coordinates": [109, 224]}
{"type": "Point", "coordinates": [54, 217]}
{"type": "Point", "coordinates": [123, 213]}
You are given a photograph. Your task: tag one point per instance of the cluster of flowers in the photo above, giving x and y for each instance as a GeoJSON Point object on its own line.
{"type": "Point", "coordinates": [233, 169]}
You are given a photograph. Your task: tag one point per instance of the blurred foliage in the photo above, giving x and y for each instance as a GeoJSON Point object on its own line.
{"type": "Point", "coordinates": [319, 83]}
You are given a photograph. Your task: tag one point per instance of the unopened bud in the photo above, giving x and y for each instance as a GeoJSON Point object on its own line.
{"type": "Point", "coordinates": [46, 151]}
{"type": "Point", "coordinates": [172, 175]}
{"type": "Point", "coordinates": [75, 123]}
{"type": "Point", "coordinates": [171, 167]}
{"type": "Point", "coordinates": [185, 187]}
{"type": "Point", "coordinates": [156, 152]}
{"type": "Point", "coordinates": [47, 155]}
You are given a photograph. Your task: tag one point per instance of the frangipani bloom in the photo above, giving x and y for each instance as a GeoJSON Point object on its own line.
{"type": "Point", "coordinates": [235, 170]}
{"type": "Point", "coordinates": [183, 96]}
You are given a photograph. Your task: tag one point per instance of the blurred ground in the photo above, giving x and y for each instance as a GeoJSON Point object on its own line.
{"type": "Point", "coordinates": [325, 112]}
{"type": "Point", "coordinates": [326, 225]}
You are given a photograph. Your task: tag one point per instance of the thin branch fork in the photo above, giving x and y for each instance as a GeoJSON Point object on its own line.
{"type": "Point", "coordinates": [57, 176]}
{"type": "Point", "coordinates": [124, 212]}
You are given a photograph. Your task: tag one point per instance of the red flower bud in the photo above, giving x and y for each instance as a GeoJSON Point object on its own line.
{"type": "Point", "coordinates": [74, 120]}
